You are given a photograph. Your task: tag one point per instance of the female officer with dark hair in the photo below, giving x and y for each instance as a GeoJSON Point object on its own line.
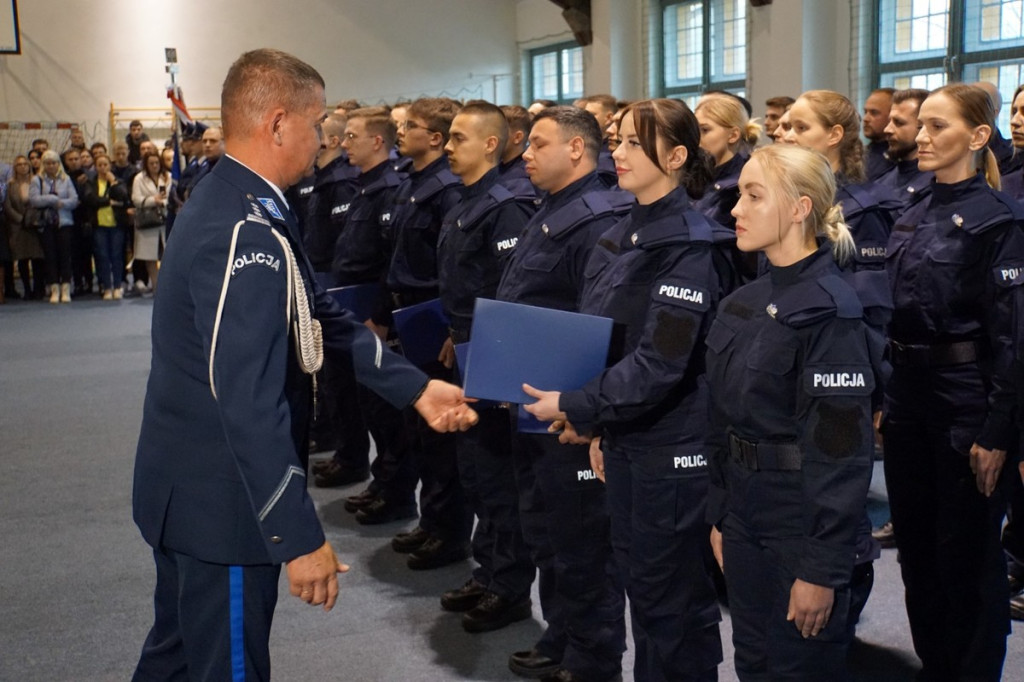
{"type": "Point", "coordinates": [659, 274]}
{"type": "Point", "coordinates": [955, 263]}
{"type": "Point", "coordinates": [792, 362]}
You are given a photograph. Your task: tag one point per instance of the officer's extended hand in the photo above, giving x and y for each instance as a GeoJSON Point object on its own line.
{"type": "Point", "coordinates": [447, 355]}
{"type": "Point", "coordinates": [810, 607]}
{"type": "Point", "coordinates": [313, 578]}
{"type": "Point", "coordinates": [986, 465]}
{"type": "Point", "coordinates": [716, 547]}
{"type": "Point", "coordinates": [597, 458]}
{"type": "Point", "coordinates": [444, 407]}
{"type": "Point", "coordinates": [380, 330]}
{"type": "Point", "coordinates": [546, 407]}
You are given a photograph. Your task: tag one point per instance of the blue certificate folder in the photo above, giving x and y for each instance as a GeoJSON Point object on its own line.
{"type": "Point", "coordinates": [526, 423]}
{"type": "Point", "coordinates": [552, 350]}
{"type": "Point", "coordinates": [361, 299]}
{"type": "Point", "coordinates": [422, 329]}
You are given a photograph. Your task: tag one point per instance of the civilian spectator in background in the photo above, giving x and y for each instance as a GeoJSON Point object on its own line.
{"type": "Point", "coordinates": [86, 163]}
{"type": "Point", "coordinates": [539, 105]}
{"type": "Point", "coordinates": [40, 145]}
{"type": "Point", "coordinates": [26, 250]}
{"type": "Point", "coordinates": [81, 231]}
{"type": "Point", "coordinates": [120, 166]}
{"type": "Point", "coordinates": [77, 139]}
{"type": "Point", "coordinates": [147, 147]}
{"type": "Point", "coordinates": [35, 161]}
{"type": "Point", "coordinates": [54, 196]}
{"type": "Point", "coordinates": [774, 108]}
{"type": "Point", "coordinates": [6, 271]}
{"type": "Point", "coordinates": [97, 148]}
{"type": "Point", "coordinates": [150, 191]}
{"type": "Point", "coordinates": [134, 139]}
{"type": "Point", "coordinates": [108, 198]}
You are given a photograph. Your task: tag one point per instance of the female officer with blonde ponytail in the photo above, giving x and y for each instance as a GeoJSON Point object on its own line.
{"type": "Point", "coordinates": [793, 359]}
{"type": "Point", "coordinates": [955, 263]}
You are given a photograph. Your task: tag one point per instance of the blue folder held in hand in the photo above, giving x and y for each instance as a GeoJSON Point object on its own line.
{"type": "Point", "coordinates": [422, 329]}
{"type": "Point", "coordinates": [361, 299]}
{"type": "Point", "coordinates": [552, 350]}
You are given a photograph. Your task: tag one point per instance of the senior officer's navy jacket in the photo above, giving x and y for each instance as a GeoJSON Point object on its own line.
{"type": "Point", "coordinates": [876, 159]}
{"type": "Point", "coordinates": [477, 237]}
{"type": "Point", "coordinates": [363, 249]}
{"type": "Point", "coordinates": [546, 268]}
{"type": "Point", "coordinates": [907, 182]}
{"type": "Point", "coordinates": [422, 201]}
{"type": "Point", "coordinates": [721, 196]}
{"type": "Point", "coordinates": [223, 479]}
{"type": "Point", "coordinates": [869, 211]}
{"type": "Point", "coordinates": [793, 361]}
{"type": "Point", "coordinates": [334, 187]}
{"type": "Point", "coordinates": [658, 274]}
{"type": "Point", "coordinates": [1013, 185]}
{"type": "Point", "coordinates": [955, 264]}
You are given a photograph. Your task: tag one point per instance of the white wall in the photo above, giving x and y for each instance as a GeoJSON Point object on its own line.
{"type": "Point", "coordinates": [75, 63]}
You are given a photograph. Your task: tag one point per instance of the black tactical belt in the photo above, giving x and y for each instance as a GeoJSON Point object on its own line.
{"type": "Point", "coordinates": [765, 456]}
{"type": "Point", "coordinates": [932, 355]}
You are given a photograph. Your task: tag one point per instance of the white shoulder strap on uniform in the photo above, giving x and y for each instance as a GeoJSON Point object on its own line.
{"type": "Point", "coordinates": [308, 334]}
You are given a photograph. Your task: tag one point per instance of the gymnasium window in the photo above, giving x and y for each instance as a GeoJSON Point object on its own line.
{"type": "Point", "coordinates": [703, 47]}
{"type": "Point", "coordinates": [927, 43]}
{"type": "Point", "coordinates": [556, 73]}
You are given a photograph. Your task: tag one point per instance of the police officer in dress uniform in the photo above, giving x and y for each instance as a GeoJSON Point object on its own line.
{"type": "Point", "coordinates": [339, 425]}
{"type": "Point", "coordinates": [219, 488]}
{"type": "Point", "coordinates": [876, 118]}
{"type": "Point", "coordinates": [793, 360]}
{"type": "Point", "coordinates": [561, 501]}
{"type": "Point", "coordinates": [477, 237]}
{"type": "Point", "coordinates": [361, 256]}
{"type": "Point", "coordinates": [908, 182]}
{"type": "Point", "coordinates": [1013, 182]}
{"type": "Point", "coordinates": [956, 265]}
{"type": "Point", "coordinates": [658, 274]}
{"type": "Point", "coordinates": [826, 121]}
{"type": "Point", "coordinates": [423, 199]}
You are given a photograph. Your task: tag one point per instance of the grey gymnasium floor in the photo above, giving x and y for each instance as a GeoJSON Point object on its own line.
{"type": "Point", "coordinates": [76, 579]}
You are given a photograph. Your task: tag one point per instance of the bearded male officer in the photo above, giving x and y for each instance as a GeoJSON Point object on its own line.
{"type": "Point", "coordinates": [220, 490]}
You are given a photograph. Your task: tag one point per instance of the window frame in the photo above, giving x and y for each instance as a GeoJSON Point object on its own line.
{"type": "Point", "coordinates": [707, 81]}
{"type": "Point", "coordinates": [557, 49]}
{"type": "Point", "coordinates": [956, 61]}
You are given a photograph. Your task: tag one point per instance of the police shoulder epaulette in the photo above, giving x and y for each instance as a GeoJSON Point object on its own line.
{"type": "Point", "coordinates": [978, 216]}
{"type": "Point", "coordinates": [803, 306]}
{"type": "Point", "coordinates": [500, 194]}
{"type": "Point", "coordinates": [872, 288]}
{"type": "Point", "coordinates": [857, 199]}
{"type": "Point", "coordinates": [433, 185]}
{"type": "Point", "coordinates": [700, 228]}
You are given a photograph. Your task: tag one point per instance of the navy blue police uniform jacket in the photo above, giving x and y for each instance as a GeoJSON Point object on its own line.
{"type": "Point", "coordinates": [658, 274]}
{"type": "Point", "coordinates": [876, 159]}
{"type": "Point", "coordinates": [363, 249]}
{"type": "Point", "coordinates": [477, 237]}
{"type": "Point", "coordinates": [870, 211]}
{"type": "Point", "coordinates": [1013, 185]}
{"type": "Point", "coordinates": [334, 187]}
{"type": "Point", "coordinates": [793, 362]}
{"type": "Point", "coordinates": [956, 265]}
{"type": "Point", "coordinates": [220, 470]}
{"type": "Point", "coordinates": [546, 268]}
{"type": "Point", "coordinates": [422, 201]}
{"type": "Point", "coordinates": [908, 183]}
{"type": "Point", "coordinates": [723, 193]}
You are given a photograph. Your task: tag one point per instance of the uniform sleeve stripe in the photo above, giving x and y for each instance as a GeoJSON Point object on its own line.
{"type": "Point", "coordinates": [282, 486]}
{"type": "Point", "coordinates": [380, 352]}
{"type": "Point", "coordinates": [237, 616]}
{"type": "Point", "coordinates": [220, 304]}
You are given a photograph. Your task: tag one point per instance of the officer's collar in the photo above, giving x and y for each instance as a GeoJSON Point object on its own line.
{"type": "Point", "coordinates": [483, 185]}
{"type": "Point", "coordinates": [730, 168]}
{"type": "Point", "coordinates": [944, 193]}
{"type": "Point", "coordinates": [795, 272]}
{"type": "Point", "coordinates": [432, 168]}
{"type": "Point", "coordinates": [588, 183]}
{"type": "Point", "coordinates": [277, 190]}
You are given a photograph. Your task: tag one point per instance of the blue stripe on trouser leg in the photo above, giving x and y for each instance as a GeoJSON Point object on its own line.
{"type": "Point", "coordinates": [237, 629]}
